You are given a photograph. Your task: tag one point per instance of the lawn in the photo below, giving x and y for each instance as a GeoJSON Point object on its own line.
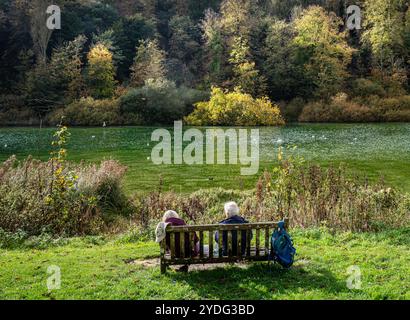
{"type": "Point", "coordinates": [371, 150]}
{"type": "Point", "coordinates": [95, 268]}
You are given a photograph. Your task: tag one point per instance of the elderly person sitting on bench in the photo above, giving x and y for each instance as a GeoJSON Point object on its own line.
{"type": "Point", "coordinates": [191, 243]}
{"type": "Point", "coordinates": [232, 217]}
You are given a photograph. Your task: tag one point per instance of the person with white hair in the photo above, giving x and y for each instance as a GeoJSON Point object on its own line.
{"type": "Point", "coordinates": [232, 217]}
{"type": "Point", "coordinates": [172, 218]}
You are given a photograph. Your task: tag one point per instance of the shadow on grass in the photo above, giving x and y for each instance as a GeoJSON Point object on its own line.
{"type": "Point", "coordinates": [259, 281]}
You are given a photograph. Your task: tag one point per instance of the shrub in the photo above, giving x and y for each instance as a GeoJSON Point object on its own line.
{"type": "Point", "coordinates": [235, 108]}
{"type": "Point", "coordinates": [159, 101]}
{"type": "Point", "coordinates": [313, 196]}
{"type": "Point", "coordinates": [57, 197]}
{"type": "Point", "coordinates": [34, 201]}
{"type": "Point", "coordinates": [292, 110]}
{"type": "Point", "coordinates": [309, 195]}
{"type": "Point", "coordinates": [365, 87]}
{"type": "Point", "coordinates": [338, 109]}
{"type": "Point", "coordinates": [13, 111]}
{"type": "Point", "coordinates": [89, 111]}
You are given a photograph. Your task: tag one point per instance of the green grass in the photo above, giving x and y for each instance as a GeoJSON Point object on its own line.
{"type": "Point", "coordinates": [373, 150]}
{"type": "Point", "coordinates": [98, 270]}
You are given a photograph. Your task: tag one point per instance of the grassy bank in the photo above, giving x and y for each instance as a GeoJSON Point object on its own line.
{"type": "Point", "coordinates": [97, 268]}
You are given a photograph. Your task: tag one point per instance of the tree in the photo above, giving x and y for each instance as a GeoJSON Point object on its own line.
{"type": "Point", "coordinates": [128, 32]}
{"type": "Point", "coordinates": [323, 50]}
{"type": "Point", "coordinates": [185, 49]}
{"type": "Point", "coordinates": [149, 63]}
{"type": "Point", "coordinates": [384, 29]}
{"type": "Point", "coordinates": [236, 17]}
{"type": "Point", "coordinates": [40, 33]}
{"type": "Point", "coordinates": [58, 82]}
{"type": "Point", "coordinates": [100, 72]}
{"type": "Point", "coordinates": [108, 40]}
{"type": "Point", "coordinates": [66, 65]}
{"type": "Point", "coordinates": [285, 76]}
{"type": "Point", "coordinates": [214, 47]}
{"type": "Point", "coordinates": [246, 77]}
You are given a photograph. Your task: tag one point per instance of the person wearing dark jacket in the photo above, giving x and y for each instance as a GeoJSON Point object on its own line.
{"type": "Point", "coordinates": [191, 243]}
{"type": "Point", "coordinates": [232, 217]}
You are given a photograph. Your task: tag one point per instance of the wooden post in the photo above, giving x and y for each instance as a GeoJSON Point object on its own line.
{"type": "Point", "coordinates": [267, 241]}
{"type": "Point", "coordinates": [182, 244]}
{"type": "Point", "coordinates": [211, 244]}
{"type": "Point", "coordinates": [239, 244]}
{"type": "Point", "coordinates": [162, 258]}
{"type": "Point", "coordinates": [201, 244]}
{"type": "Point", "coordinates": [258, 233]}
{"type": "Point", "coordinates": [220, 245]}
{"type": "Point", "coordinates": [172, 240]}
{"type": "Point", "coordinates": [248, 242]}
{"type": "Point", "coordinates": [230, 244]}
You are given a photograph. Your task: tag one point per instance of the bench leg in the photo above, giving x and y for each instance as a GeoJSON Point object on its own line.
{"type": "Point", "coordinates": [163, 268]}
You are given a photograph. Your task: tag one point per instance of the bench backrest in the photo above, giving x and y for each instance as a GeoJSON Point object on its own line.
{"type": "Point", "coordinates": [260, 234]}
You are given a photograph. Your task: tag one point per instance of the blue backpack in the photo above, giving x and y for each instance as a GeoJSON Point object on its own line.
{"type": "Point", "coordinates": [282, 251]}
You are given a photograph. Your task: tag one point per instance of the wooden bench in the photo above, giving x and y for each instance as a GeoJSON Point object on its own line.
{"type": "Point", "coordinates": [261, 234]}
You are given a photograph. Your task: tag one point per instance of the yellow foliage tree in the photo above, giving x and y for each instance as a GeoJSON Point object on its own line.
{"type": "Point", "coordinates": [100, 72]}
{"type": "Point", "coordinates": [234, 109]}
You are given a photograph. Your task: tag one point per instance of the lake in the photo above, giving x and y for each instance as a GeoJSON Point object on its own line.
{"type": "Point", "coordinates": [371, 149]}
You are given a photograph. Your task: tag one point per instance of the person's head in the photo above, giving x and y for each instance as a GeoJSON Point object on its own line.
{"type": "Point", "coordinates": [169, 214]}
{"type": "Point", "coordinates": [231, 209]}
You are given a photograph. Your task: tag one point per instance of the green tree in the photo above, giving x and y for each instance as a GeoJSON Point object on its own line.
{"type": "Point", "coordinates": [66, 65]}
{"type": "Point", "coordinates": [58, 82]}
{"type": "Point", "coordinates": [236, 17]}
{"type": "Point", "coordinates": [246, 77]}
{"type": "Point", "coordinates": [285, 76]}
{"type": "Point", "coordinates": [185, 50]}
{"type": "Point", "coordinates": [128, 31]}
{"type": "Point", "coordinates": [149, 63]}
{"type": "Point", "coordinates": [323, 50]}
{"type": "Point", "coordinates": [214, 48]}
{"type": "Point", "coordinates": [384, 31]}
{"type": "Point", "coordinates": [107, 39]}
{"type": "Point", "coordinates": [100, 72]}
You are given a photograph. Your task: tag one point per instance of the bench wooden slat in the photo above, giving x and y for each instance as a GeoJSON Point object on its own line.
{"type": "Point", "coordinates": [182, 244]}
{"type": "Point", "coordinates": [220, 246]}
{"type": "Point", "coordinates": [211, 245]}
{"type": "Point", "coordinates": [205, 260]}
{"type": "Point", "coordinates": [201, 244]}
{"type": "Point", "coordinates": [223, 227]}
{"type": "Point", "coordinates": [258, 233]}
{"type": "Point", "coordinates": [230, 244]}
{"type": "Point", "coordinates": [172, 245]}
{"type": "Point", "coordinates": [239, 244]}
{"type": "Point", "coordinates": [266, 241]}
{"type": "Point", "coordinates": [248, 242]}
